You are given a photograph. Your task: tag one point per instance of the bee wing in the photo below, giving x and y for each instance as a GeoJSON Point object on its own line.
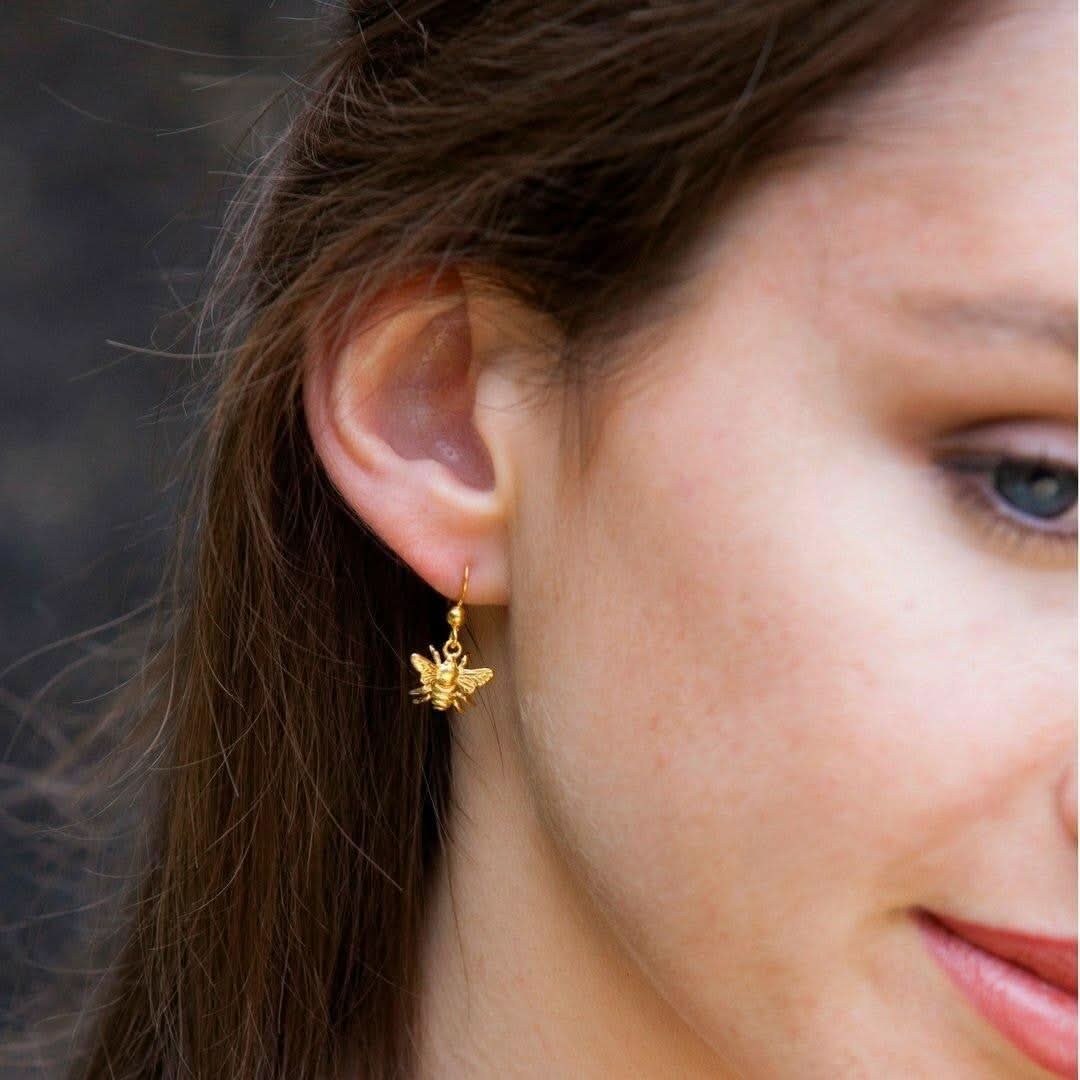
{"type": "Point", "coordinates": [426, 668]}
{"type": "Point", "coordinates": [470, 679]}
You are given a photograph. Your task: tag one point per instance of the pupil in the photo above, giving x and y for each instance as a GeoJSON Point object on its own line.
{"type": "Point", "coordinates": [1041, 490]}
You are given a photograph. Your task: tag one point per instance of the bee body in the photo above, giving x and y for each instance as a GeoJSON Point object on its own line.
{"type": "Point", "coordinates": [447, 683]}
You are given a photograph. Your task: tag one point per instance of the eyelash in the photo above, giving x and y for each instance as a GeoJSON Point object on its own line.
{"type": "Point", "coordinates": [1004, 527]}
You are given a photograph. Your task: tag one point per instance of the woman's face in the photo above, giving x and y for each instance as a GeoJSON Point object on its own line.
{"type": "Point", "coordinates": [787, 671]}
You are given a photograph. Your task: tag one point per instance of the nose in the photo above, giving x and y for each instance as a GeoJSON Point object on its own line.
{"type": "Point", "coordinates": [1067, 799]}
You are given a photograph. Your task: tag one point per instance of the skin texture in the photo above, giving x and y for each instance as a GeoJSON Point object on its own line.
{"type": "Point", "coordinates": [763, 686]}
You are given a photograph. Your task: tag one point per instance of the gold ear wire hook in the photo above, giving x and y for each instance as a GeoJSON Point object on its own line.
{"type": "Point", "coordinates": [456, 618]}
{"type": "Point", "coordinates": [447, 683]}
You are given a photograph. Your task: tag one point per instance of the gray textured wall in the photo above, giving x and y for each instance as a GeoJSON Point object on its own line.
{"type": "Point", "coordinates": [108, 156]}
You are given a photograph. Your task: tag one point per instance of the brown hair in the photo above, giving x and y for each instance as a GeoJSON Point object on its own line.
{"type": "Point", "coordinates": [565, 152]}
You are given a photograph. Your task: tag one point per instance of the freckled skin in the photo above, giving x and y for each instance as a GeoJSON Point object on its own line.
{"type": "Point", "coordinates": [767, 688]}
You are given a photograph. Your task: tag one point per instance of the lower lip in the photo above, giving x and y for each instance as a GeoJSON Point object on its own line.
{"type": "Point", "coordinates": [1035, 1016]}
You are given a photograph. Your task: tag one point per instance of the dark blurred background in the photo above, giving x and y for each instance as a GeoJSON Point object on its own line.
{"type": "Point", "coordinates": [121, 123]}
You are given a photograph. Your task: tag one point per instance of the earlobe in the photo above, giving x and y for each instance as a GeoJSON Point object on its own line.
{"type": "Point", "coordinates": [392, 410]}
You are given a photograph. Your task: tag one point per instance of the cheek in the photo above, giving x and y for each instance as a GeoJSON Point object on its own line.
{"type": "Point", "coordinates": [710, 639]}
{"type": "Point", "coordinates": [755, 704]}
{"type": "Point", "coordinates": [705, 699]}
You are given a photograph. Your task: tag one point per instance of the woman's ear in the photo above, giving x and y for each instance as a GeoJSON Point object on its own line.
{"type": "Point", "coordinates": [411, 415]}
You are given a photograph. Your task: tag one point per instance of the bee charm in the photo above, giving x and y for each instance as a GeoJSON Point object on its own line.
{"type": "Point", "coordinates": [445, 681]}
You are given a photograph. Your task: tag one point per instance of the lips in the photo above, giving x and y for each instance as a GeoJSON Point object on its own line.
{"type": "Point", "coordinates": [1023, 984]}
{"type": "Point", "coordinates": [1052, 959]}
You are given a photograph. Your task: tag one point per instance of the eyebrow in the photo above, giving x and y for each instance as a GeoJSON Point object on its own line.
{"type": "Point", "coordinates": [1044, 321]}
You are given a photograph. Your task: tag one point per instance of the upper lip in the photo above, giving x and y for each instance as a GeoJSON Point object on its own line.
{"type": "Point", "coordinates": [1053, 959]}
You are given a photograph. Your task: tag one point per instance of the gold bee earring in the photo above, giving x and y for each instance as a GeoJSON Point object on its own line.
{"type": "Point", "coordinates": [448, 683]}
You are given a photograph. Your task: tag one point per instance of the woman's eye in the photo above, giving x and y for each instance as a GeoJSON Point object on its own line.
{"type": "Point", "coordinates": [1021, 500]}
{"type": "Point", "coordinates": [1035, 488]}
